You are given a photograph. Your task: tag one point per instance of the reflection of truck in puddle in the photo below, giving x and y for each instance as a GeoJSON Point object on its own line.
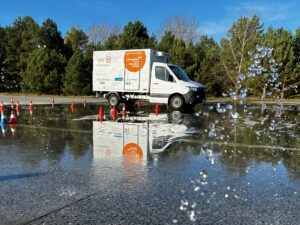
{"type": "Point", "coordinates": [139, 136]}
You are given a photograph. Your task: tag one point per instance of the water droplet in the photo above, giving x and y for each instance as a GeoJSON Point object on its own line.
{"type": "Point", "coordinates": [234, 115]}
{"type": "Point", "coordinates": [192, 216]}
{"type": "Point", "coordinates": [193, 205]}
{"type": "Point", "coordinates": [229, 107]}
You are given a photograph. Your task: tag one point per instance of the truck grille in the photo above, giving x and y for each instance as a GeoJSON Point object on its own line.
{"type": "Point", "coordinates": [201, 94]}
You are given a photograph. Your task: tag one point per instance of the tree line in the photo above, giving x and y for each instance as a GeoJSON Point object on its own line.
{"type": "Point", "coordinates": [37, 59]}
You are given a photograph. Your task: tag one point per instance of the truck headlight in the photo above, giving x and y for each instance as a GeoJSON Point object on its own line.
{"type": "Point", "coordinates": [193, 88]}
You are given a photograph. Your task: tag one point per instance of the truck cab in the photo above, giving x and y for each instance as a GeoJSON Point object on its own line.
{"type": "Point", "coordinates": [171, 85]}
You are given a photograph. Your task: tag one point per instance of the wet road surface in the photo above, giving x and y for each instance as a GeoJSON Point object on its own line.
{"type": "Point", "coordinates": [220, 164]}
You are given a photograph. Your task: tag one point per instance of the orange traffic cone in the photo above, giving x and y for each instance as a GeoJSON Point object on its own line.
{"type": "Point", "coordinates": [156, 109]}
{"type": "Point", "coordinates": [114, 113]}
{"type": "Point", "coordinates": [100, 115]}
{"type": "Point", "coordinates": [30, 108]}
{"type": "Point", "coordinates": [123, 111]}
{"type": "Point", "coordinates": [18, 108]}
{"type": "Point", "coordinates": [72, 107]}
{"type": "Point", "coordinates": [12, 103]}
{"type": "Point", "coordinates": [30, 105]}
{"type": "Point", "coordinates": [138, 104]}
{"type": "Point", "coordinates": [13, 119]}
{"type": "Point", "coordinates": [13, 129]}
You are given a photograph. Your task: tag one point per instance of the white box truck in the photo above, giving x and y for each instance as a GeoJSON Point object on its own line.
{"type": "Point", "coordinates": [144, 74]}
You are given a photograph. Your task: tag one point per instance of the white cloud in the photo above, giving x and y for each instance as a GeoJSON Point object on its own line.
{"type": "Point", "coordinates": [268, 11]}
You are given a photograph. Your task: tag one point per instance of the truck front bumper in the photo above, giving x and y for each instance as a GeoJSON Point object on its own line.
{"type": "Point", "coordinates": [194, 97]}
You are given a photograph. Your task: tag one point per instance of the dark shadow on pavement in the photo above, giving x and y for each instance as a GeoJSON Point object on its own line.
{"type": "Point", "coordinates": [20, 176]}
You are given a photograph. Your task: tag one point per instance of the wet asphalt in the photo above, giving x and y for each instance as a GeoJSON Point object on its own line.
{"type": "Point", "coordinates": [215, 165]}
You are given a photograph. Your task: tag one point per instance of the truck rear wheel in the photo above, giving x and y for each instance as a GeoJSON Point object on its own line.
{"type": "Point", "coordinates": [176, 102]}
{"type": "Point", "coordinates": [113, 99]}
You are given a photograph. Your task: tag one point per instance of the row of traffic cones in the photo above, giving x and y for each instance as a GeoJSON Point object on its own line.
{"type": "Point", "coordinates": [2, 107]}
{"type": "Point", "coordinates": [12, 104]}
{"type": "Point", "coordinates": [18, 108]}
{"type": "Point", "coordinates": [114, 113]}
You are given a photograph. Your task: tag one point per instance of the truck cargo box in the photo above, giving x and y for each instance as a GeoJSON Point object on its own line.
{"type": "Point", "coordinates": [124, 70]}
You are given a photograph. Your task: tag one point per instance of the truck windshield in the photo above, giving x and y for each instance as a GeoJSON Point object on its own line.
{"type": "Point", "coordinates": [179, 73]}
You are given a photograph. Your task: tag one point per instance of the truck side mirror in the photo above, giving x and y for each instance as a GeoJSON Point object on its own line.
{"type": "Point", "coordinates": [170, 78]}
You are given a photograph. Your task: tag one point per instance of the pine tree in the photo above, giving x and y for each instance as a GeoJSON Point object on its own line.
{"type": "Point", "coordinates": [78, 78]}
{"type": "Point", "coordinates": [44, 73]}
{"type": "Point", "coordinates": [3, 72]}
{"type": "Point", "coordinates": [21, 40]}
{"type": "Point", "coordinates": [211, 71]}
{"type": "Point", "coordinates": [281, 41]}
{"type": "Point", "coordinates": [134, 36]}
{"type": "Point", "coordinates": [166, 42]}
{"type": "Point", "coordinates": [50, 37]}
{"type": "Point", "coordinates": [76, 38]}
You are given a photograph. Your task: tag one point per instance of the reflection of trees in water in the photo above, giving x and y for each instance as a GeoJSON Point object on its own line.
{"type": "Point", "coordinates": [247, 141]}
{"type": "Point", "coordinates": [79, 143]}
{"type": "Point", "coordinates": [291, 161]}
{"type": "Point", "coordinates": [243, 158]}
{"type": "Point", "coordinates": [45, 134]}
{"type": "Point", "coordinates": [238, 160]}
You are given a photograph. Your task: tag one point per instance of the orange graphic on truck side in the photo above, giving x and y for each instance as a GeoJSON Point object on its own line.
{"type": "Point", "coordinates": [132, 150]}
{"type": "Point", "coordinates": [134, 60]}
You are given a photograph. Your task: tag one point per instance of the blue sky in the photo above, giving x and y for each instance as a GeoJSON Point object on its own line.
{"type": "Point", "coordinates": [214, 16]}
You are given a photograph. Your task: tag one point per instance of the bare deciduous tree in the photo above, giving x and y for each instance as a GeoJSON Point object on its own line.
{"type": "Point", "coordinates": [182, 27]}
{"type": "Point", "coordinates": [98, 34]}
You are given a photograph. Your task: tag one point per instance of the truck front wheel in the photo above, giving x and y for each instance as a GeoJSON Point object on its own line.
{"type": "Point", "coordinates": [177, 102]}
{"type": "Point", "coordinates": [113, 99]}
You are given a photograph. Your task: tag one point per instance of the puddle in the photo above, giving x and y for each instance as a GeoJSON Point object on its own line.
{"type": "Point", "coordinates": [220, 157]}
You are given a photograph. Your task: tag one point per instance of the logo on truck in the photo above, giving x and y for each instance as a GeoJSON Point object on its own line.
{"type": "Point", "coordinates": [134, 60]}
{"type": "Point", "coordinates": [132, 150]}
{"type": "Point", "coordinates": [104, 60]}
{"type": "Point", "coordinates": [108, 59]}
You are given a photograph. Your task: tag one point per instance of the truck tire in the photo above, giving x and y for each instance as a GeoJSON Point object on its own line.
{"type": "Point", "coordinates": [176, 102]}
{"type": "Point", "coordinates": [113, 100]}
{"type": "Point", "coordinates": [176, 116]}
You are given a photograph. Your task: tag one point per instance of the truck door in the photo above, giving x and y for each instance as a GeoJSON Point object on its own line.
{"type": "Point", "coordinates": [135, 142]}
{"type": "Point", "coordinates": [134, 62]}
{"type": "Point", "coordinates": [162, 83]}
